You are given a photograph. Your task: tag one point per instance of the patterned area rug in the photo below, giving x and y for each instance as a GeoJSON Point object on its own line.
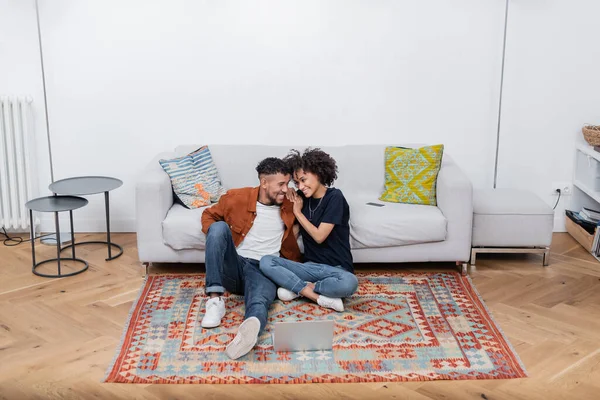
{"type": "Point", "coordinates": [396, 327]}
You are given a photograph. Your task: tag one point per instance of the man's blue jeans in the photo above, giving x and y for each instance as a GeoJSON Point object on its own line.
{"type": "Point", "coordinates": [228, 271]}
{"type": "Point", "coordinates": [329, 281]}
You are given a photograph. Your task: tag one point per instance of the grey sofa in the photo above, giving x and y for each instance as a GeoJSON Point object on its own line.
{"type": "Point", "coordinates": [168, 232]}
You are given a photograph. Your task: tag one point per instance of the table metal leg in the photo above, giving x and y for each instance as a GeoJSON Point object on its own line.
{"type": "Point", "coordinates": [58, 258]}
{"type": "Point", "coordinates": [107, 206]}
{"type": "Point", "coordinates": [72, 233]}
{"type": "Point", "coordinates": [56, 225]}
{"type": "Point", "coordinates": [108, 243]}
{"type": "Point", "coordinates": [32, 237]}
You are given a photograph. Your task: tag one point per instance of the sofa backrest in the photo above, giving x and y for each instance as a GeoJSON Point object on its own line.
{"type": "Point", "coordinates": [361, 167]}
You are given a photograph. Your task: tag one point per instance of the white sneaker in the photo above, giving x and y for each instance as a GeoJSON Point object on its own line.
{"type": "Point", "coordinates": [245, 339]}
{"type": "Point", "coordinates": [215, 310]}
{"type": "Point", "coordinates": [334, 303]}
{"type": "Point", "coordinates": [286, 295]}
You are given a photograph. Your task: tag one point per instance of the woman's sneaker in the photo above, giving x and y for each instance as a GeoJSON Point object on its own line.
{"type": "Point", "coordinates": [286, 295]}
{"type": "Point", "coordinates": [245, 339]}
{"type": "Point", "coordinates": [334, 303]}
{"type": "Point", "coordinates": [215, 311]}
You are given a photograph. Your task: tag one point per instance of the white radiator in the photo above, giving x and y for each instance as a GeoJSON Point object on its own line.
{"type": "Point", "coordinates": [16, 166]}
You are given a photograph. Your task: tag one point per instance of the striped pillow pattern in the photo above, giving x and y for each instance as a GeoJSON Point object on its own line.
{"type": "Point", "coordinates": [194, 178]}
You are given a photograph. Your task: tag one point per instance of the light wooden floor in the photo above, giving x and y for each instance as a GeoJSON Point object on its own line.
{"type": "Point", "coordinates": [58, 336]}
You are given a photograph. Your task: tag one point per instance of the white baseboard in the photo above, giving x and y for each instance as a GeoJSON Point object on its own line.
{"type": "Point", "coordinates": [559, 223]}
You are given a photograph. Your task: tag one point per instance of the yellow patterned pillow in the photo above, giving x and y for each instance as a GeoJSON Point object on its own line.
{"type": "Point", "coordinates": [411, 174]}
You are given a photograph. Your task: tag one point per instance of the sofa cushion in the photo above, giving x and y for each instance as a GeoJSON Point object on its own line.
{"type": "Point", "coordinates": [194, 178]}
{"type": "Point", "coordinates": [182, 228]}
{"type": "Point", "coordinates": [511, 218]}
{"type": "Point", "coordinates": [394, 224]}
{"type": "Point", "coordinates": [411, 174]}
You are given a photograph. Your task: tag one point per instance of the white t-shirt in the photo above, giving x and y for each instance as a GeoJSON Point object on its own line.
{"type": "Point", "coordinates": [264, 238]}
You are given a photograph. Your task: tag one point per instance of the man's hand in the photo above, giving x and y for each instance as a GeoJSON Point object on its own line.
{"type": "Point", "coordinates": [297, 200]}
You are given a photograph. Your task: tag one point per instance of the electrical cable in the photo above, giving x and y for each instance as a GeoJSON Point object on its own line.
{"type": "Point", "coordinates": [16, 240]}
{"type": "Point", "coordinates": [557, 200]}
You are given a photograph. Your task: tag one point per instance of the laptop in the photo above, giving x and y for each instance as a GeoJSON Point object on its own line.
{"type": "Point", "coordinates": [303, 336]}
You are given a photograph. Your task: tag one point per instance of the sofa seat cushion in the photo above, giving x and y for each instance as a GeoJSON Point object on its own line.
{"type": "Point", "coordinates": [182, 228]}
{"type": "Point", "coordinates": [511, 218]}
{"type": "Point", "coordinates": [394, 224]}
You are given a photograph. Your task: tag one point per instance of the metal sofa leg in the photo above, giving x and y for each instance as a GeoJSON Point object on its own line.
{"type": "Point", "coordinates": [147, 266]}
{"type": "Point", "coordinates": [473, 256]}
{"type": "Point", "coordinates": [545, 257]}
{"type": "Point", "coordinates": [463, 267]}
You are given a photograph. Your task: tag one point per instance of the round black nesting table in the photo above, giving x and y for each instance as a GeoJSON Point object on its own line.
{"type": "Point", "coordinates": [87, 185]}
{"type": "Point", "coordinates": [55, 204]}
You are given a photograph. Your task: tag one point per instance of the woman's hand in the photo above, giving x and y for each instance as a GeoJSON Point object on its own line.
{"type": "Point", "coordinates": [297, 200]}
{"type": "Point", "coordinates": [290, 194]}
{"type": "Point", "coordinates": [320, 233]}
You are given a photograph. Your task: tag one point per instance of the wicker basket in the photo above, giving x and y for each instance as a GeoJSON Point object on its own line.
{"type": "Point", "coordinates": [591, 133]}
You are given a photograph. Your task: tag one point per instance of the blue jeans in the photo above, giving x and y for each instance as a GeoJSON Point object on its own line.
{"type": "Point", "coordinates": [228, 271]}
{"type": "Point", "coordinates": [329, 281]}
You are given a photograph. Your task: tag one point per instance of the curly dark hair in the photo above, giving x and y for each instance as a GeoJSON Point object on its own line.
{"type": "Point", "coordinates": [315, 161]}
{"type": "Point", "coordinates": [273, 165]}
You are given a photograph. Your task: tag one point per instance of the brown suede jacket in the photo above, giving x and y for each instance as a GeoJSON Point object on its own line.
{"type": "Point", "coordinates": [238, 209]}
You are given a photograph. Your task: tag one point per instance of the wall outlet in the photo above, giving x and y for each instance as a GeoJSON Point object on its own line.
{"type": "Point", "coordinates": [566, 188]}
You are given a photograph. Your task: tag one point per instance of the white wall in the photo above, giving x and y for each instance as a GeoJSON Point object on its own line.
{"type": "Point", "coordinates": [20, 75]}
{"type": "Point", "coordinates": [128, 79]}
{"type": "Point", "coordinates": [552, 88]}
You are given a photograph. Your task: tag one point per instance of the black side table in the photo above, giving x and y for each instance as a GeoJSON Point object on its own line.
{"type": "Point", "coordinates": [86, 185]}
{"type": "Point", "coordinates": [55, 204]}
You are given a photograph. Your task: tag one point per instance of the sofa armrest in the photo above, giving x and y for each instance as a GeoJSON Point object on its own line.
{"type": "Point", "coordinates": [153, 200]}
{"type": "Point", "coordinates": [455, 200]}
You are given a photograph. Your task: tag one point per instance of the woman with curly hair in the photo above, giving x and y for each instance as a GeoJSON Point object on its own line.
{"type": "Point", "coordinates": [327, 276]}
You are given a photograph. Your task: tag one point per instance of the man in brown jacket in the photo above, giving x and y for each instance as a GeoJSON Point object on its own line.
{"type": "Point", "coordinates": [243, 226]}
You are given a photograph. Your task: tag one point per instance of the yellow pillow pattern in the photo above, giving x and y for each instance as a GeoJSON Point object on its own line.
{"type": "Point", "coordinates": [411, 174]}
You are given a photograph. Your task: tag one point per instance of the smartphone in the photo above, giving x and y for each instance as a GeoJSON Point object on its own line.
{"type": "Point", "coordinates": [375, 204]}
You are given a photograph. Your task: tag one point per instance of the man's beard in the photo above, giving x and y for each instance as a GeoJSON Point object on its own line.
{"type": "Point", "coordinates": [273, 199]}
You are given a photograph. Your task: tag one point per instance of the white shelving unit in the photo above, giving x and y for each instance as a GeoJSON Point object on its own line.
{"type": "Point", "coordinates": [586, 180]}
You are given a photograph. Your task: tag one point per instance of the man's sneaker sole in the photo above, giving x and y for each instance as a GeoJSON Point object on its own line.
{"type": "Point", "coordinates": [245, 340]}
{"type": "Point", "coordinates": [211, 325]}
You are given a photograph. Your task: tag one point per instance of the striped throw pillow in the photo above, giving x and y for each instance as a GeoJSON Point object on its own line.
{"type": "Point", "coordinates": [194, 178]}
